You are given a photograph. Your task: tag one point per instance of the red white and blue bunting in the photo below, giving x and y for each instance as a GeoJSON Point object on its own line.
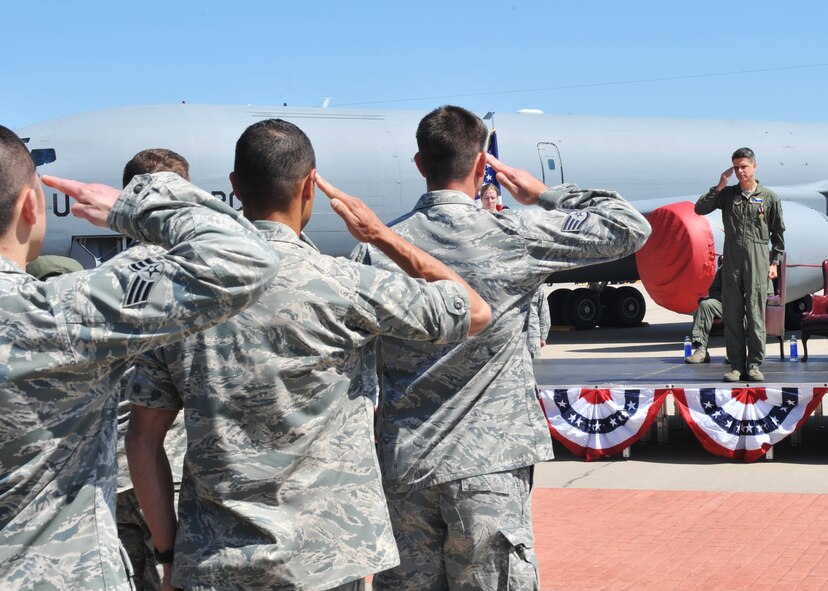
{"type": "Point", "coordinates": [596, 423]}
{"type": "Point", "coordinates": [738, 423]}
{"type": "Point", "coordinates": [744, 423]}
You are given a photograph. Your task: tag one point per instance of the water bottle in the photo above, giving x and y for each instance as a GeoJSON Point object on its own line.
{"type": "Point", "coordinates": [794, 349]}
{"type": "Point", "coordinates": [688, 347]}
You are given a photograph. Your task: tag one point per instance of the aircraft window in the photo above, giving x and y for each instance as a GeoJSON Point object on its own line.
{"type": "Point", "coordinates": [43, 156]}
{"type": "Point", "coordinates": [551, 164]}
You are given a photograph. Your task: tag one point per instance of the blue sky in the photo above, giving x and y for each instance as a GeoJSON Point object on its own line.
{"type": "Point", "coordinates": [703, 59]}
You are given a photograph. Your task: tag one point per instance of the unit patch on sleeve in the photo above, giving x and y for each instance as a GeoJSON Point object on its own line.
{"type": "Point", "coordinates": [147, 274]}
{"type": "Point", "coordinates": [575, 221]}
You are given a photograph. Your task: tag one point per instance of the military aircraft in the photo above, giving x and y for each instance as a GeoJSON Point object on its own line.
{"type": "Point", "coordinates": [655, 163]}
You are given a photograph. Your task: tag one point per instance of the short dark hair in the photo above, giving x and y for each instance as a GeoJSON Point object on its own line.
{"type": "Point", "coordinates": [17, 171]}
{"type": "Point", "coordinates": [273, 156]}
{"type": "Point", "coordinates": [156, 160]}
{"type": "Point", "coordinates": [744, 153]}
{"type": "Point", "coordinates": [449, 139]}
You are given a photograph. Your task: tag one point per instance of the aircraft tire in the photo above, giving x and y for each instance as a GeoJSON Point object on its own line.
{"type": "Point", "coordinates": [795, 310]}
{"type": "Point", "coordinates": [608, 317]}
{"type": "Point", "coordinates": [582, 308]}
{"type": "Point", "coordinates": [556, 305]}
{"type": "Point", "coordinates": [629, 306]}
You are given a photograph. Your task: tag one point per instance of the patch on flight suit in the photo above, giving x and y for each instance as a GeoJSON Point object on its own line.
{"type": "Point", "coordinates": [147, 274]}
{"type": "Point", "coordinates": [575, 221]}
{"type": "Point", "coordinates": [756, 200]}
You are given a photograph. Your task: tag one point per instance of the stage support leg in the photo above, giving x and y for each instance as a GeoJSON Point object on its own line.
{"type": "Point", "coordinates": [662, 425]}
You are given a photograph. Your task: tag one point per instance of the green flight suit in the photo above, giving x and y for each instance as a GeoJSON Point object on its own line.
{"type": "Point", "coordinates": [749, 224]}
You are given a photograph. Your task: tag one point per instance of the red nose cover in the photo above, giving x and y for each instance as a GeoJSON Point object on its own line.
{"type": "Point", "coordinates": [678, 262]}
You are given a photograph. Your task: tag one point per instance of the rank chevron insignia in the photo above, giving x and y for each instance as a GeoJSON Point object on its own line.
{"type": "Point", "coordinates": [147, 274]}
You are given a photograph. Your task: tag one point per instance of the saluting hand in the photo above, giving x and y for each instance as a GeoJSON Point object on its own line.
{"type": "Point", "coordinates": [362, 222]}
{"type": "Point", "coordinates": [94, 201]}
{"type": "Point", "coordinates": [724, 179]}
{"type": "Point", "coordinates": [523, 186]}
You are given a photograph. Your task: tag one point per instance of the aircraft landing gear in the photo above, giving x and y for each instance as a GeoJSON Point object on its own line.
{"type": "Point", "coordinates": [585, 308]}
{"type": "Point", "coordinates": [556, 305]}
{"type": "Point", "coordinates": [608, 314]}
{"type": "Point", "coordinates": [582, 308]}
{"type": "Point", "coordinates": [628, 306]}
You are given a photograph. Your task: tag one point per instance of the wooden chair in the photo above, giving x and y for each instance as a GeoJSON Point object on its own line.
{"type": "Point", "coordinates": [815, 322]}
{"type": "Point", "coordinates": [775, 307]}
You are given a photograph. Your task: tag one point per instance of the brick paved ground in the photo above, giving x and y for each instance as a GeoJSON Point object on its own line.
{"type": "Point", "coordinates": [664, 540]}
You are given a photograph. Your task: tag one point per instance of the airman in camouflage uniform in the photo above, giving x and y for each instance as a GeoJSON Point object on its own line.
{"type": "Point", "coordinates": [65, 342]}
{"type": "Point", "coordinates": [281, 487]}
{"type": "Point", "coordinates": [460, 427]}
{"type": "Point", "coordinates": [133, 530]}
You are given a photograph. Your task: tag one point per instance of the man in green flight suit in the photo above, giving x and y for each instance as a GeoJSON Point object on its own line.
{"type": "Point", "coordinates": [752, 216]}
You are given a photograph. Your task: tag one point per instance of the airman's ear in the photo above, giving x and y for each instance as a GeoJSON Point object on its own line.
{"type": "Point", "coordinates": [479, 169]}
{"type": "Point", "coordinates": [309, 186]}
{"type": "Point", "coordinates": [419, 162]}
{"type": "Point", "coordinates": [29, 205]}
{"type": "Point", "coordinates": [233, 184]}
{"type": "Point", "coordinates": [480, 163]}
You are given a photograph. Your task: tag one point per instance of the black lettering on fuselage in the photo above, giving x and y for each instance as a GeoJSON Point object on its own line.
{"type": "Point", "coordinates": [229, 200]}
{"type": "Point", "coordinates": [61, 213]}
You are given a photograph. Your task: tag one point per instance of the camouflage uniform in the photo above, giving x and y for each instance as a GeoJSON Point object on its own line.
{"type": "Point", "coordinates": [749, 224]}
{"type": "Point", "coordinates": [465, 418]}
{"type": "Point", "coordinates": [63, 346]}
{"type": "Point", "coordinates": [281, 487]}
{"type": "Point", "coordinates": [539, 324]}
{"type": "Point", "coordinates": [133, 530]}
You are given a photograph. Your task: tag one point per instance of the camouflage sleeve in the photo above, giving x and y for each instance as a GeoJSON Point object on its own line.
{"type": "Point", "coordinates": [533, 328]}
{"type": "Point", "coordinates": [395, 304]}
{"type": "Point", "coordinates": [776, 227]}
{"type": "Point", "coordinates": [216, 266]}
{"type": "Point", "coordinates": [544, 318]}
{"type": "Point", "coordinates": [581, 227]}
{"type": "Point", "coordinates": [152, 384]}
{"type": "Point", "coordinates": [709, 202]}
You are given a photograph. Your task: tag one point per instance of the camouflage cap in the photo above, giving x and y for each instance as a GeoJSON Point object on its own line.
{"type": "Point", "coordinates": [50, 265]}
